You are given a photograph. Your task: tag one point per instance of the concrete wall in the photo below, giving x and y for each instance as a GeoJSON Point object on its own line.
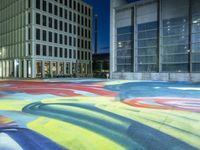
{"type": "Point", "coordinates": [194, 77]}
{"type": "Point", "coordinates": [113, 5]}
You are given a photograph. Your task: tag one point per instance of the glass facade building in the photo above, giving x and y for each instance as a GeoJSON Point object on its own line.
{"type": "Point", "coordinates": [155, 36]}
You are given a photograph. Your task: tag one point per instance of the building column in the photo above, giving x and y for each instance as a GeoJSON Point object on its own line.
{"type": "Point", "coordinates": [57, 68]}
{"type": "Point", "coordinates": [43, 68]}
{"type": "Point", "coordinates": [20, 68]}
{"type": "Point", "coordinates": [51, 67]}
{"type": "Point", "coordinates": [15, 69]}
{"type": "Point", "coordinates": [25, 68]}
{"type": "Point", "coordinates": [70, 68]}
{"type": "Point", "coordinates": [33, 74]}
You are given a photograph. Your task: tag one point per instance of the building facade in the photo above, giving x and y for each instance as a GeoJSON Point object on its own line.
{"type": "Point", "coordinates": [45, 38]}
{"type": "Point", "coordinates": [155, 39]}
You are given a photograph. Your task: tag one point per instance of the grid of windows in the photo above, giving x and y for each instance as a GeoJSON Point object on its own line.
{"type": "Point", "coordinates": [124, 49]}
{"type": "Point", "coordinates": [60, 20]}
{"type": "Point", "coordinates": [171, 44]}
{"type": "Point", "coordinates": [147, 47]}
{"type": "Point", "coordinates": [175, 39]}
{"type": "Point", "coordinates": [46, 26]}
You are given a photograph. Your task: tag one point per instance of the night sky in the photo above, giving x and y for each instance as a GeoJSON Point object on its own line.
{"type": "Point", "coordinates": [102, 8]}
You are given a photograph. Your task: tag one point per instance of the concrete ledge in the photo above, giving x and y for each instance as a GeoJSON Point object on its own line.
{"type": "Point", "coordinates": [193, 77]}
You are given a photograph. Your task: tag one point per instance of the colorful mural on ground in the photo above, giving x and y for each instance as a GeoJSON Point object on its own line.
{"type": "Point", "coordinates": [97, 114]}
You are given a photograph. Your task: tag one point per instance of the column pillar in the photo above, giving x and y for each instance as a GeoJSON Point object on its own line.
{"type": "Point", "coordinates": [33, 68]}
{"type": "Point", "coordinates": [25, 68]}
{"type": "Point", "coordinates": [70, 68]}
{"type": "Point", "coordinates": [57, 68]}
{"type": "Point", "coordinates": [15, 69]}
{"type": "Point", "coordinates": [43, 68]}
{"type": "Point", "coordinates": [20, 68]}
{"type": "Point", "coordinates": [51, 67]}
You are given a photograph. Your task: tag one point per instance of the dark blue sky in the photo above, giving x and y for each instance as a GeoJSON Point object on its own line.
{"type": "Point", "coordinates": [102, 8]}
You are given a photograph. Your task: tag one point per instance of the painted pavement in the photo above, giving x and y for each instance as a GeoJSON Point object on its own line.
{"type": "Point", "coordinates": [99, 115]}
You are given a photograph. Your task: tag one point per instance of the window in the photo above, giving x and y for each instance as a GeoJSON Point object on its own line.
{"type": "Point", "coordinates": [37, 34]}
{"type": "Point", "coordinates": [82, 9]}
{"type": "Point", "coordinates": [65, 39]}
{"type": "Point", "coordinates": [55, 10]}
{"type": "Point", "coordinates": [78, 43]}
{"type": "Point", "coordinates": [50, 22]}
{"type": "Point", "coordinates": [78, 7]}
{"type": "Point", "coordinates": [37, 18]}
{"type": "Point", "coordinates": [55, 38]}
{"type": "Point", "coordinates": [61, 25]}
{"type": "Point", "coordinates": [85, 10]}
{"type": "Point", "coordinates": [44, 35]}
{"type": "Point", "coordinates": [66, 14]}
{"type": "Point", "coordinates": [65, 27]}
{"type": "Point", "coordinates": [44, 19]}
{"type": "Point", "coordinates": [70, 16]}
{"type": "Point", "coordinates": [86, 21]}
{"type": "Point", "coordinates": [55, 52]}
{"type": "Point", "coordinates": [55, 24]}
{"type": "Point", "coordinates": [70, 41]}
{"type": "Point", "coordinates": [74, 17]}
{"type": "Point", "coordinates": [82, 20]}
{"type": "Point", "coordinates": [82, 55]}
{"type": "Point", "coordinates": [44, 50]}
{"type": "Point", "coordinates": [29, 33]}
{"type": "Point", "coordinates": [82, 32]}
{"type": "Point", "coordinates": [61, 52]}
{"type": "Point", "coordinates": [50, 8]}
{"type": "Point", "coordinates": [29, 49]}
{"type": "Point", "coordinates": [86, 33]}
{"type": "Point", "coordinates": [79, 19]}
{"type": "Point", "coordinates": [38, 49]}
{"type": "Point", "coordinates": [74, 29]}
{"type": "Point", "coordinates": [74, 53]}
{"type": "Point", "coordinates": [61, 39]}
{"type": "Point", "coordinates": [70, 3]}
{"type": "Point", "coordinates": [86, 44]}
{"type": "Point", "coordinates": [44, 6]}
{"type": "Point", "coordinates": [78, 54]}
{"type": "Point", "coordinates": [29, 3]}
{"type": "Point", "coordinates": [89, 12]}
{"type": "Point", "coordinates": [70, 53]}
{"type": "Point", "coordinates": [37, 4]}
{"type": "Point", "coordinates": [29, 18]}
{"type": "Point", "coordinates": [74, 5]}
{"type": "Point", "coordinates": [82, 43]}
{"type": "Point", "coordinates": [74, 42]}
{"type": "Point", "coordinates": [79, 33]}
{"type": "Point", "coordinates": [70, 28]}
{"type": "Point", "coordinates": [66, 53]}
{"type": "Point", "coordinates": [65, 2]}
{"type": "Point", "coordinates": [50, 51]}
{"type": "Point", "coordinates": [61, 12]}
{"type": "Point", "coordinates": [50, 36]}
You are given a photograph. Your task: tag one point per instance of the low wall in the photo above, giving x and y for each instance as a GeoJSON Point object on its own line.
{"type": "Point", "coordinates": [193, 77]}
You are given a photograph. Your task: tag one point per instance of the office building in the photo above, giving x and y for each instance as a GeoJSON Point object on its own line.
{"type": "Point", "coordinates": [155, 39]}
{"type": "Point", "coordinates": [45, 38]}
